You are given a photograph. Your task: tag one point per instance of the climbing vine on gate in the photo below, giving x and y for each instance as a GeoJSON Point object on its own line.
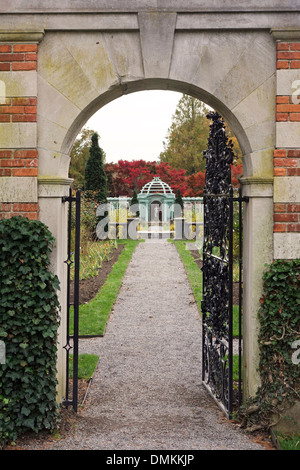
{"type": "Point", "coordinates": [279, 336]}
{"type": "Point", "coordinates": [28, 328]}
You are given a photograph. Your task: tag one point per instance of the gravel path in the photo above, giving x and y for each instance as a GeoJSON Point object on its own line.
{"type": "Point", "coordinates": [146, 392]}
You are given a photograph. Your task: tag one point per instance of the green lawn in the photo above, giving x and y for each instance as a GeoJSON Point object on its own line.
{"type": "Point", "coordinates": [87, 364]}
{"type": "Point", "coordinates": [287, 442]}
{"type": "Point", "coordinates": [194, 274]}
{"type": "Point", "coordinates": [93, 315]}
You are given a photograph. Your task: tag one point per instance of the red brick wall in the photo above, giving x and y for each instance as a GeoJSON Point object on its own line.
{"type": "Point", "coordinates": [18, 57]}
{"type": "Point", "coordinates": [18, 162]}
{"type": "Point", "coordinates": [286, 110]}
{"type": "Point", "coordinates": [18, 110]}
{"type": "Point", "coordinates": [287, 161]}
{"type": "Point", "coordinates": [286, 217]}
{"type": "Point", "coordinates": [29, 210]}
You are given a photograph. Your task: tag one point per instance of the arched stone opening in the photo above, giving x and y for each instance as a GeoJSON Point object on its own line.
{"type": "Point", "coordinates": [120, 90]}
{"type": "Point", "coordinates": [257, 229]}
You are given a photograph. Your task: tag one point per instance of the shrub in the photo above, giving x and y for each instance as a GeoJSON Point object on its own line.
{"type": "Point", "coordinates": [28, 326]}
{"type": "Point", "coordinates": [178, 202]}
{"type": "Point", "coordinates": [279, 318]}
{"type": "Point", "coordinates": [134, 202]}
{"type": "Point", "coordinates": [95, 179]}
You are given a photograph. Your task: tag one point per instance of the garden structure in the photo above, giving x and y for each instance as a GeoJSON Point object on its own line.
{"type": "Point", "coordinates": [61, 62]}
{"type": "Point", "coordinates": [156, 201]}
{"type": "Point", "coordinates": [157, 210]}
{"type": "Point", "coordinates": [156, 193]}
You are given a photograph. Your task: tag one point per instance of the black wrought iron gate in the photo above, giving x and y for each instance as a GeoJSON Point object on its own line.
{"type": "Point", "coordinates": [220, 214]}
{"type": "Point", "coordinates": [71, 396]}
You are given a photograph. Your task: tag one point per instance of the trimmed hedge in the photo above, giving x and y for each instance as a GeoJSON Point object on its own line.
{"type": "Point", "coordinates": [29, 319]}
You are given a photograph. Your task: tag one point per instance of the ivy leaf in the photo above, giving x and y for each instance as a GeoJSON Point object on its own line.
{"type": "Point", "coordinates": [29, 423]}
{"type": "Point", "coordinates": [25, 411]}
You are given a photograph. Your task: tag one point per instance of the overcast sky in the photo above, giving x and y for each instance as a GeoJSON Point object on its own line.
{"type": "Point", "coordinates": [134, 126]}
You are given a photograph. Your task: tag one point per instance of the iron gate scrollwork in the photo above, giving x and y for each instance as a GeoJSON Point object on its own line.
{"type": "Point", "coordinates": [72, 336]}
{"type": "Point", "coordinates": [217, 300]}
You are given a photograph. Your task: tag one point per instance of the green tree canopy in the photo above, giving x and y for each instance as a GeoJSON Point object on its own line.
{"type": "Point", "coordinates": [187, 136]}
{"type": "Point", "coordinates": [79, 156]}
{"type": "Point", "coordinates": [178, 199]}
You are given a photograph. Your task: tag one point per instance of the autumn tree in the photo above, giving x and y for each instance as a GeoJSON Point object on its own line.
{"type": "Point", "coordinates": [235, 146]}
{"type": "Point", "coordinates": [175, 178]}
{"type": "Point", "coordinates": [125, 177]}
{"type": "Point", "coordinates": [195, 184]}
{"type": "Point", "coordinates": [236, 173]}
{"type": "Point", "coordinates": [187, 136]}
{"type": "Point", "coordinates": [133, 175]}
{"type": "Point", "coordinates": [112, 174]}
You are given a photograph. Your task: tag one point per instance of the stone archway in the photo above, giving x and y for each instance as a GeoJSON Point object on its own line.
{"type": "Point", "coordinates": [74, 60]}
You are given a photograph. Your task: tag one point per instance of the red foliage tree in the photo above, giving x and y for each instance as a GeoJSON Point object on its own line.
{"type": "Point", "coordinates": [236, 171]}
{"type": "Point", "coordinates": [175, 178]}
{"type": "Point", "coordinates": [126, 176]}
{"type": "Point", "coordinates": [195, 184]}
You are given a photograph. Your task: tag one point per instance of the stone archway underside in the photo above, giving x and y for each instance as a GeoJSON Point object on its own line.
{"type": "Point", "coordinates": [59, 68]}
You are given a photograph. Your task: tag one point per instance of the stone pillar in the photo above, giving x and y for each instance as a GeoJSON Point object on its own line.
{"type": "Point", "coordinates": [287, 152]}
{"type": "Point", "coordinates": [147, 211]}
{"type": "Point", "coordinates": [179, 223]}
{"type": "Point", "coordinates": [54, 213]}
{"type": "Point", "coordinates": [132, 223]}
{"type": "Point", "coordinates": [258, 251]}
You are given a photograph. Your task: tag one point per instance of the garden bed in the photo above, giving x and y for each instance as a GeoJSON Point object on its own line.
{"type": "Point", "coordinates": [88, 288]}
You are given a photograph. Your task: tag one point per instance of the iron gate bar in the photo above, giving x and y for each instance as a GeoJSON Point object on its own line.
{"type": "Point", "coordinates": [218, 260]}
{"type": "Point", "coordinates": [241, 200]}
{"type": "Point", "coordinates": [69, 262]}
{"type": "Point", "coordinates": [230, 306]}
{"type": "Point", "coordinates": [76, 302]}
{"type": "Point", "coordinates": [228, 409]}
